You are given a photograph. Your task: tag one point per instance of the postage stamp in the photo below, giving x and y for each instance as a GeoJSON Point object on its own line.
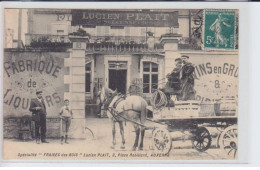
{"type": "Point", "coordinates": [219, 29]}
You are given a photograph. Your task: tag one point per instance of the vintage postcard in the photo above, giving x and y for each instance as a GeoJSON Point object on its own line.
{"type": "Point", "coordinates": [120, 84]}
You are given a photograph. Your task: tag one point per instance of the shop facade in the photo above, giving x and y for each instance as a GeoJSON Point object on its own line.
{"type": "Point", "coordinates": [129, 63]}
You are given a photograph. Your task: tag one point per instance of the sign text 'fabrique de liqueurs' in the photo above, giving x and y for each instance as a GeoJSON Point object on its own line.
{"type": "Point", "coordinates": [124, 18]}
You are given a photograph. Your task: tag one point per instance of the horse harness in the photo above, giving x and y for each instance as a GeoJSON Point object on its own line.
{"type": "Point", "coordinates": [112, 109]}
{"type": "Point", "coordinates": [117, 115]}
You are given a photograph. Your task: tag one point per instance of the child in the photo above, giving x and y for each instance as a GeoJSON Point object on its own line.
{"type": "Point", "coordinates": [66, 116]}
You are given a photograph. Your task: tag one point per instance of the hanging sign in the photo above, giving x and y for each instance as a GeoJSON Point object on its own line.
{"type": "Point", "coordinates": [124, 18]}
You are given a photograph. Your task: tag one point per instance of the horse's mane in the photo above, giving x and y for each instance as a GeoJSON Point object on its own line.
{"type": "Point", "coordinates": [108, 91]}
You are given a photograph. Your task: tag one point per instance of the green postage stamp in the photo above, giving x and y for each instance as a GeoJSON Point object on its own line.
{"type": "Point", "coordinates": [219, 29]}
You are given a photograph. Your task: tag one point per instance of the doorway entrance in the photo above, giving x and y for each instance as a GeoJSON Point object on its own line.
{"type": "Point", "coordinates": [117, 80]}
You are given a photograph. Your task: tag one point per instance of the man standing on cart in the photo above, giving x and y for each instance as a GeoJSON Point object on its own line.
{"type": "Point", "coordinates": [174, 81]}
{"type": "Point", "coordinates": [187, 80]}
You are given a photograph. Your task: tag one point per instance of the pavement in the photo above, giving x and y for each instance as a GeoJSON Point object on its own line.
{"type": "Point", "coordinates": [99, 146]}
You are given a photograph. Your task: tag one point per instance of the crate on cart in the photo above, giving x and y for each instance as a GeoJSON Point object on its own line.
{"type": "Point", "coordinates": [181, 109]}
{"type": "Point", "coordinates": [188, 108]}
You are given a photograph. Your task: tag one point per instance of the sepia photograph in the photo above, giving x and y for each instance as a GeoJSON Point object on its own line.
{"type": "Point", "coordinates": [120, 84]}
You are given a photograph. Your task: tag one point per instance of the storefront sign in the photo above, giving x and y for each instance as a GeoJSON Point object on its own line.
{"type": "Point", "coordinates": [26, 72]}
{"type": "Point", "coordinates": [215, 77]}
{"type": "Point", "coordinates": [124, 18]}
{"type": "Point", "coordinates": [216, 81]}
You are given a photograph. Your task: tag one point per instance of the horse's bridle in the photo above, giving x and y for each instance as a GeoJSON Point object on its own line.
{"type": "Point", "coordinates": [106, 106]}
{"type": "Point", "coordinates": [109, 99]}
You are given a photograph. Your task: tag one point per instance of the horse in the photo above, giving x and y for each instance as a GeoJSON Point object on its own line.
{"type": "Point", "coordinates": [121, 109]}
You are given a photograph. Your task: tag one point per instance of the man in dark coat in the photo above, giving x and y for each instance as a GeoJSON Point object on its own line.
{"type": "Point", "coordinates": [174, 77]}
{"type": "Point", "coordinates": [38, 109]}
{"type": "Point", "coordinates": [187, 80]}
{"type": "Point", "coordinates": [173, 85]}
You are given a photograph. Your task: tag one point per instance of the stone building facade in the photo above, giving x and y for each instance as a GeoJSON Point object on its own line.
{"type": "Point", "coordinates": [101, 55]}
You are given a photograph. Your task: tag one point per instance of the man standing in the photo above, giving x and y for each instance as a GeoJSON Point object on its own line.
{"type": "Point", "coordinates": [173, 85]}
{"type": "Point", "coordinates": [174, 76]}
{"type": "Point", "coordinates": [187, 80]}
{"type": "Point", "coordinates": [38, 109]}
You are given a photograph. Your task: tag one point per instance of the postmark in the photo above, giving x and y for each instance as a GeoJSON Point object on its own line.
{"type": "Point", "coordinates": [219, 29]}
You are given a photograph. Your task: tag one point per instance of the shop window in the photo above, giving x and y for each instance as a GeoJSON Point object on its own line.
{"type": "Point", "coordinates": [146, 66]}
{"type": "Point", "coordinates": [154, 67]}
{"type": "Point", "coordinates": [88, 78]}
{"type": "Point", "coordinates": [150, 77]}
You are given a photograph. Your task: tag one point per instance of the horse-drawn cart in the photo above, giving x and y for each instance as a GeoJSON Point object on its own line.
{"type": "Point", "coordinates": [169, 116]}
{"type": "Point", "coordinates": [196, 118]}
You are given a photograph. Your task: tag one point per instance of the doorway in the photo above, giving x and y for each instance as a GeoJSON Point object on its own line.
{"type": "Point", "coordinates": [117, 80]}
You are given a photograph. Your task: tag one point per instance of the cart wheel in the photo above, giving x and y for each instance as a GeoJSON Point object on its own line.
{"type": "Point", "coordinates": [228, 141]}
{"type": "Point", "coordinates": [162, 140]}
{"type": "Point", "coordinates": [201, 140]}
{"type": "Point", "coordinates": [89, 135]}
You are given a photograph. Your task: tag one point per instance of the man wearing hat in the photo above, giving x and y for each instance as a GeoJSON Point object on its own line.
{"type": "Point", "coordinates": [174, 77]}
{"type": "Point", "coordinates": [187, 80]}
{"type": "Point", "coordinates": [38, 109]}
{"type": "Point", "coordinates": [173, 85]}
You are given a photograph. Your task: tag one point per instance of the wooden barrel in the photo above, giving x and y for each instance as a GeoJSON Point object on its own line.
{"type": "Point", "coordinates": [227, 106]}
{"type": "Point", "coordinates": [207, 110]}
